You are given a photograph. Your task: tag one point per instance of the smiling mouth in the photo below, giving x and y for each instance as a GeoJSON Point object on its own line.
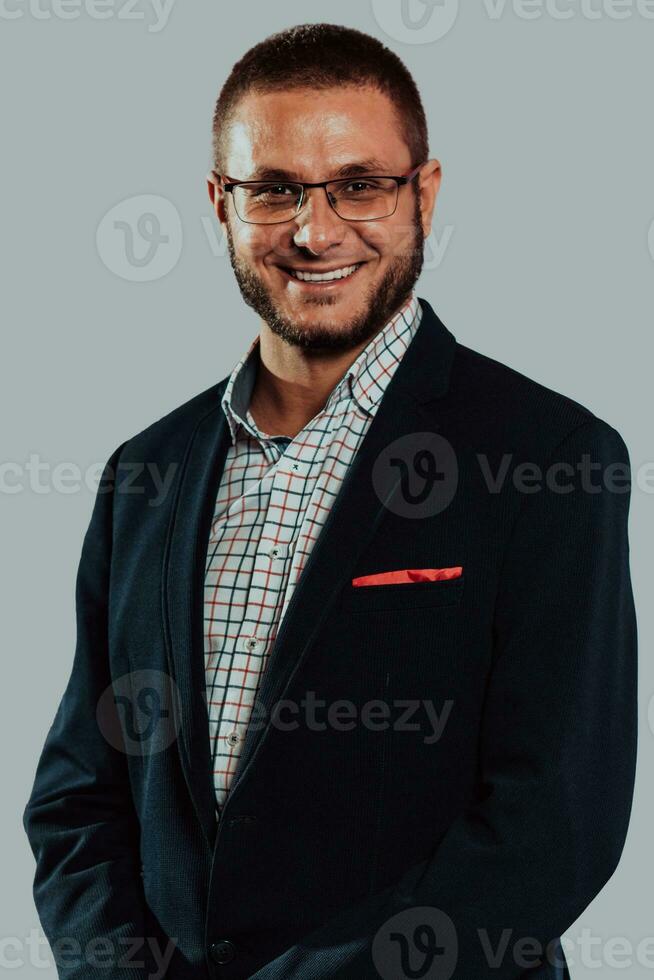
{"type": "Point", "coordinates": [322, 278]}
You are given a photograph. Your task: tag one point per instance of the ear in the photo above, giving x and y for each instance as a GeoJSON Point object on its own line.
{"type": "Point", "coordinates": [429, 185]}
{"type": "Point", "coordinates": [216, 195]}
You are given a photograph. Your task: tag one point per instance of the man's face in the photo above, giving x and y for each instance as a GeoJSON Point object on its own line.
{"type": "Point", "coordinates": [311, 136]}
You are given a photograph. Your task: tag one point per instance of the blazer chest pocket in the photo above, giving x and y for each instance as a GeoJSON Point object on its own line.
{"type": "Point", "coordinates": [409, 595]}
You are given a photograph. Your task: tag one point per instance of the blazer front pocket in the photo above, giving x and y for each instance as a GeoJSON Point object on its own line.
{"type": "Point", "coordinates": [409, 595]}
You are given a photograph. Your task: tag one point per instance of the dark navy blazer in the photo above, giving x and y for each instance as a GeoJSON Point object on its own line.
{"type": "Point", "coordinates": [367, 850]}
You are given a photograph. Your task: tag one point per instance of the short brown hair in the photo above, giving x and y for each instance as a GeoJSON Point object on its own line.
{"type": "Point", "coordinates": [320, 56]}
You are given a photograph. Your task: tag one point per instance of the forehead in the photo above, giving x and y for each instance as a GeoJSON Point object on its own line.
{"type": "Point", "coordinates": [311, 133]}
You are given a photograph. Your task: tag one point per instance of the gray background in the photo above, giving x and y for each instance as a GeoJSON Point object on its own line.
{"type": "Point", "coordinates": [540, 257]}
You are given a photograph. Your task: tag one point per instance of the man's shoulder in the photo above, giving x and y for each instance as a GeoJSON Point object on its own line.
{"type": "Point", "coordinates": [510, 388]}
{"type": "Point", "coordinates": [169, 434]}
{"type": "Point", "coordinates": [509, 405]}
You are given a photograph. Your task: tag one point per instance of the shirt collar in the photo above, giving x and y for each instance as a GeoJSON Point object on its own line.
{"type": "Point", "coordinates": [368, 376]}
{"type": "Point", "coordinates": [237, 394]}
{"type": "Point", "coordinates": [365, 380]}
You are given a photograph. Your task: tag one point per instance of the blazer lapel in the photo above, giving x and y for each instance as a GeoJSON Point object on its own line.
{"type": "Point", "coordinates": [421, 376]}
{"type": "Point", "coordinates": [183, 597]}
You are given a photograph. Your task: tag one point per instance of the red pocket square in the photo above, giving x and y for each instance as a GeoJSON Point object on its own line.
{"type": "Point", "coordinates": [403, 575]}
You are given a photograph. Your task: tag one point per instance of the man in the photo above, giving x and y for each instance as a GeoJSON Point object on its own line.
{"type": "Point", "coordinates": [383, 609]}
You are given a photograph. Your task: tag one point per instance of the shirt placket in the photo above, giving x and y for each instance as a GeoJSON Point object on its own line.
{"type": "Point", "coordinates": [265, 593]}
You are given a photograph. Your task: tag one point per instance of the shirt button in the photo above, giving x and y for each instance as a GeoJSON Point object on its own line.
{"type": "Point", "coordinates": [233, 738]}
{"type": "Point", "coordinates": [251, 643]}
{"type": "Point", "coordinates": [223, 951]}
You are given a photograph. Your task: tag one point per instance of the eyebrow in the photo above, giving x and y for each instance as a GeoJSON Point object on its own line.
{"type": "Point", "coordinates": [371, 166]}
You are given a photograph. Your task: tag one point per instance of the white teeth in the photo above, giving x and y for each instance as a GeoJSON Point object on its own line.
{"type": "Point", "coordinates": [324, 276]}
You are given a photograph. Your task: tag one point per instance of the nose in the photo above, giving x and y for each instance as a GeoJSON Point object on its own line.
{"type": "Point", "coordinates": [318, 225]}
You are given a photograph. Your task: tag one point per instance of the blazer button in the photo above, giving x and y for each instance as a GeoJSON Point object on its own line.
{"type": "Point", "coordinates": [223, 951]}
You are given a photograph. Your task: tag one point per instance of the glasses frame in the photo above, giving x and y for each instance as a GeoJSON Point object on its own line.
{"type": "Point", "coordinates": [228, 185]}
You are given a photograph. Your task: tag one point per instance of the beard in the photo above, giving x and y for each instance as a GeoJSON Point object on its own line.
{"type": "Point", "coordinates": [382, 301]}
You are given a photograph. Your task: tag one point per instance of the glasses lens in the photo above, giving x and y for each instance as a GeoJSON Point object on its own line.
{"type": "Point", "coordinates": [266, 203]}
{"type": "Point", "coordinates": [364, 198]}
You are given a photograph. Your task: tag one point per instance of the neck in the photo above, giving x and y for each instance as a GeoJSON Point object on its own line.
{"type": "Point", "coordinates": [293, 384]}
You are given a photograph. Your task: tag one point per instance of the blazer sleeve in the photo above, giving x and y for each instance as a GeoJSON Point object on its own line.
{"type": "Point", "coordinates": [557, 748]}
{"type": "Point", "coordinates": [80, 819]}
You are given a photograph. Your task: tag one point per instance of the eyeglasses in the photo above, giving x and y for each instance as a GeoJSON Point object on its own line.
{"type": "Point", "coordinates": [364, 198]}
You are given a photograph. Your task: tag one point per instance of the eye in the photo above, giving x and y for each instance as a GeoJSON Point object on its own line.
{"type": "Point", "coordinates": [359, 185]}
{"type": "Point", "coordinates": [274, 190]}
